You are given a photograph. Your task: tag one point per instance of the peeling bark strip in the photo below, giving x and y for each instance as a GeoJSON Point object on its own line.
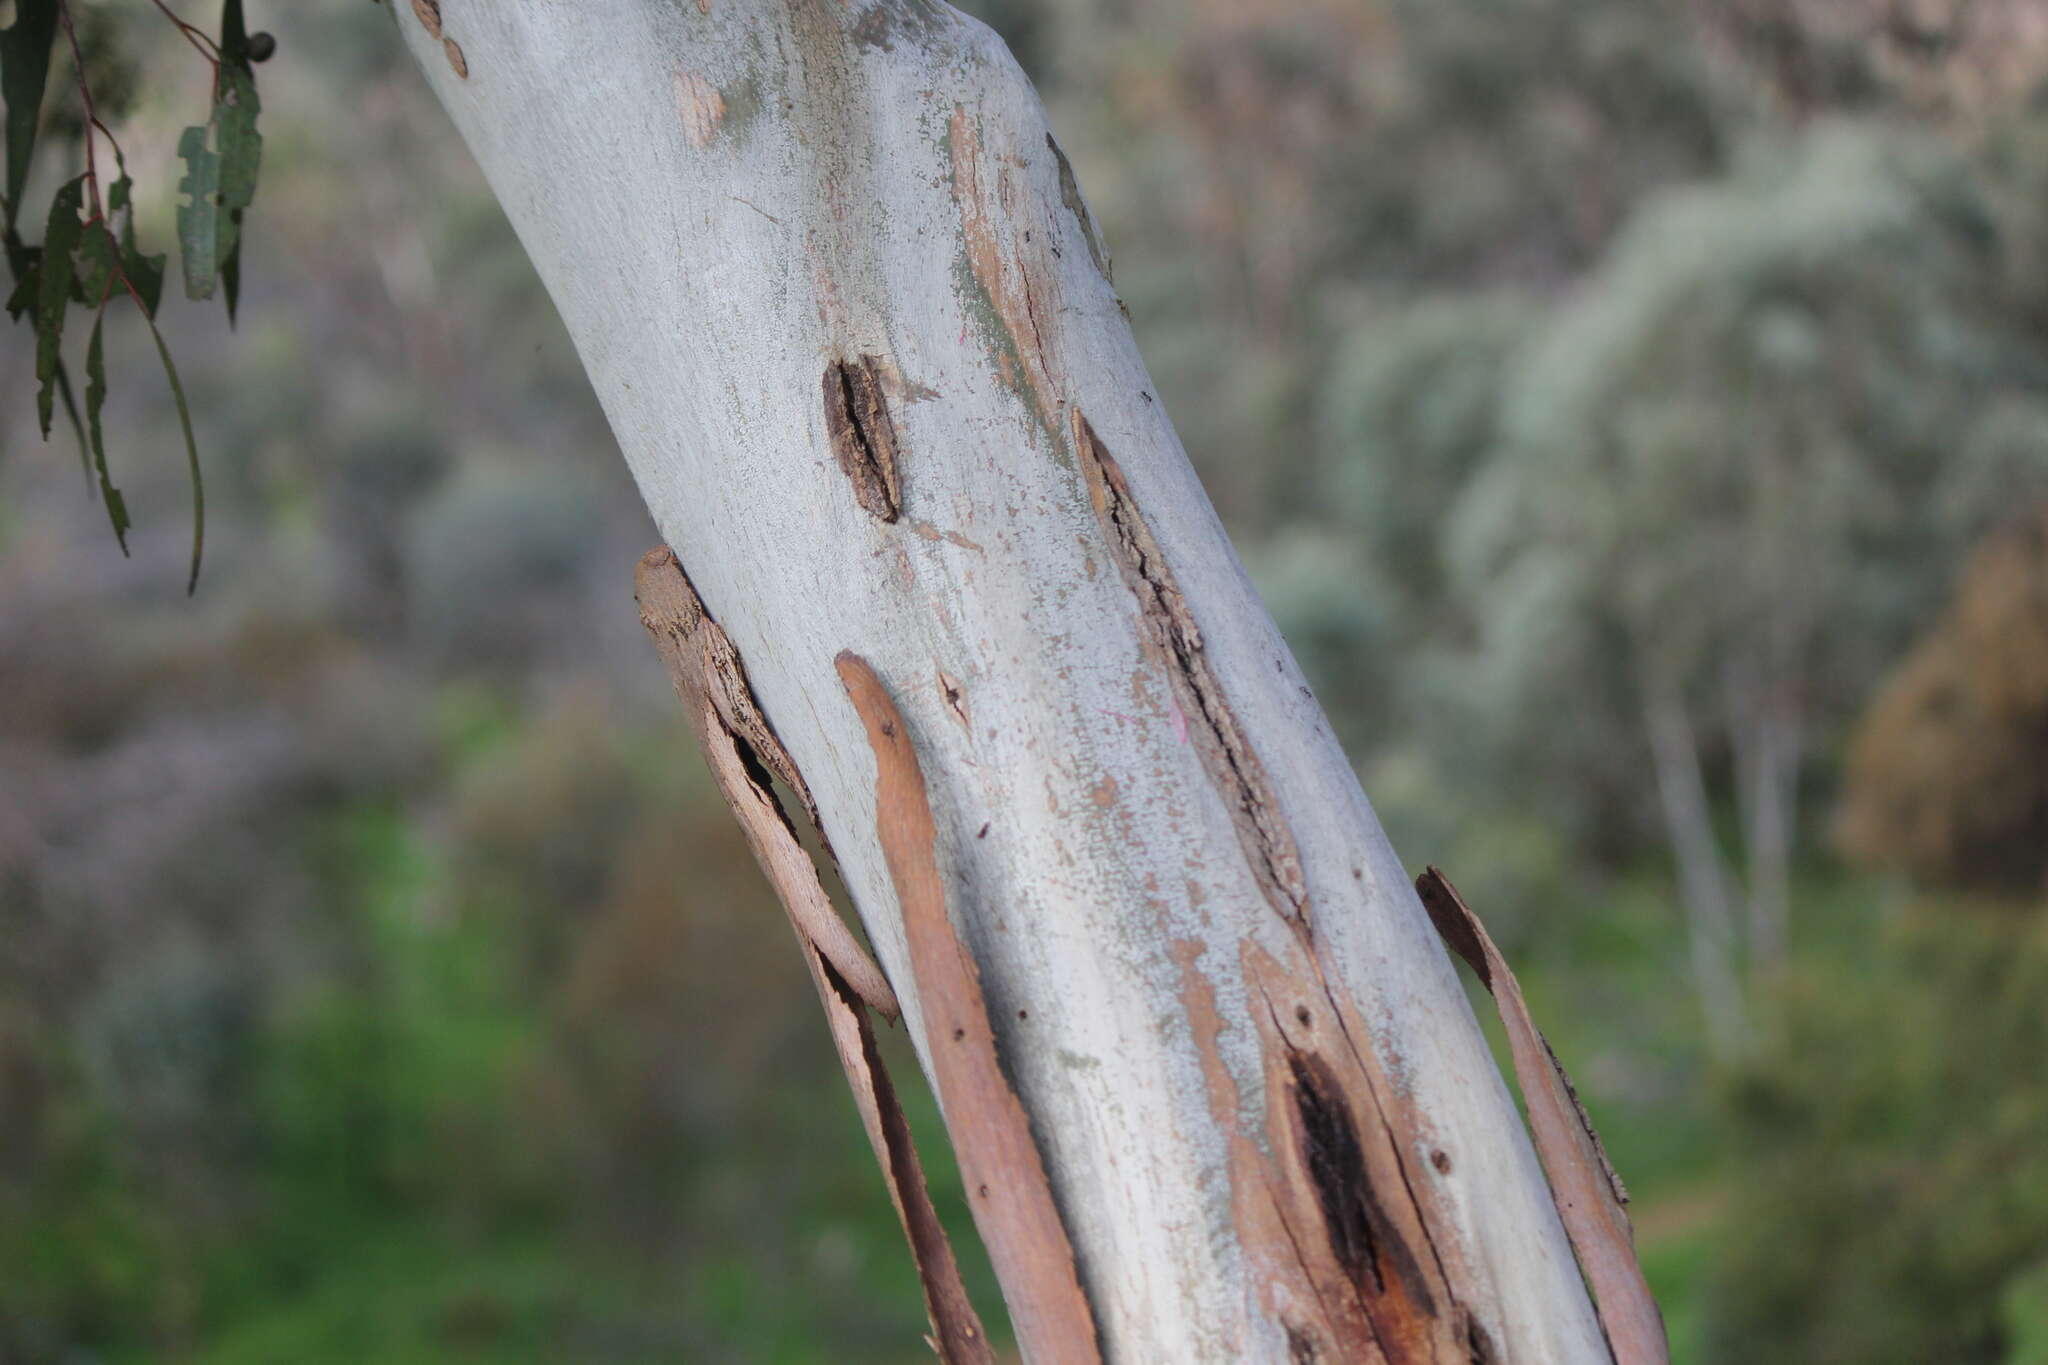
{"type": "Point", "coordinates": [741, 750]}
{"type": "Point", "coordinates": [863, 434]}
{"type": "Point", "coordinates": [999, 1162]}
{"type": "Point", "coordinates": [957, 1333]}
{"type": "Point", "coordinates": [679, 622]}
{"type": "Point", "coordinates": [702, 663]}
{"type": "Point", "coordinates": [1225, 751]}
{"type": "Point", "coordinates": [1589, 1194]}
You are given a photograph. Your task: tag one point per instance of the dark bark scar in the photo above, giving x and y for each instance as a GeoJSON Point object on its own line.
{"type": "Point", "coordinates": [863, 434]}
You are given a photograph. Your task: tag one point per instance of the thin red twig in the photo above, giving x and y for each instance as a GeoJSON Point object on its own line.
{"type": "Point", "coordinates": [197, 37]}
{"type": "Point", "coordinates": [92, 120]}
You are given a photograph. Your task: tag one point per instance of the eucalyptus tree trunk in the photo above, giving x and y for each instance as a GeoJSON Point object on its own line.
{"type": "Point", "coordinates": [842, 302]}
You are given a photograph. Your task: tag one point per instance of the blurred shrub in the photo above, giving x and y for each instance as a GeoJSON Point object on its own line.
{"type": "Point", "coordinates": [1411, 412]}
{"type": "Point", "coordinates": [1946, 777]}
{"type": "Point", "coordinates": [490, 553]}
{"type": "Point", "coordinates": [1717, 470]}
{"type": "Point", "coordinates": [2026, 1317]}
{"type": "Point", "coordinates": [1892, 1195]}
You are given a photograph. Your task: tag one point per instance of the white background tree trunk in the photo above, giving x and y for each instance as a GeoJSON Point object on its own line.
{"type": "Point", "coordinates": [1271, 1125]}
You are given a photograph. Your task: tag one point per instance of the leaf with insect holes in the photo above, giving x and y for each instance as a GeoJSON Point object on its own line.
{"type": "Point", "coordinates": [24, 70]}
{"type": "Point", "coordinates": [199, 215]}
{"type": "Point", "coordinates": [95, 399]}
{"type": "Point", "coordinates": [56, 287]}
{"type": "Point", "coordinates": [221, 160]}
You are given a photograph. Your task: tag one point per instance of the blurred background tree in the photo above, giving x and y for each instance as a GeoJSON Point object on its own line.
{"type": "Point", "coordinates": [1636, 415]}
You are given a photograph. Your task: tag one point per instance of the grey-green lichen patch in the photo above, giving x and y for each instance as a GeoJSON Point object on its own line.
{"type": "Point", "coordinates": [977, 276]}
{"type": "Point", "coordinates": [918, 22]}
{"type": "Point", "coordinates": [743, 105]}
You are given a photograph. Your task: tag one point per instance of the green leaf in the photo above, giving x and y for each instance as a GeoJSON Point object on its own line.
{"type": "Point", "coordinates": [239, 144]}
{"type": "Point", "coordinates": [24, 70]}
{"type": "Point", "coordinates": [191, 452]}
{"type": "Point", "coordinates": [57, 285]}
{"type": "Point", "coordinates": [28, 281]}
{"type": "Point", "coordinates": [71, 411]}
{"type": "Point", "coordinates": [199, 215]}
{"type": "Point", "coordinates": [234, 34]}
{"type": "Point", "coordinates": [241, 156]}
{"type": "Point", "coordinates": [95, 399]}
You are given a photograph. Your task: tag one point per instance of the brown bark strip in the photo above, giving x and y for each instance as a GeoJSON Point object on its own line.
{"type": "Point", "coordinates": [1005, 1177]}
{"type": "Point", "coordinates": [741, 750]}
{"type": "Point", "coordinates": [863, 434]}
{"type": "Point", "coordinates": [1225, 751]}
{"type": "Point", "coordinates": [957, 1333]}
{"type": "Point", "coordinates": [1589, 1194]}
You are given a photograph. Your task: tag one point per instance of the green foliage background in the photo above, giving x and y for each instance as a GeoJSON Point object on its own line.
{"type": "Point", "coordinates": [380, 980]}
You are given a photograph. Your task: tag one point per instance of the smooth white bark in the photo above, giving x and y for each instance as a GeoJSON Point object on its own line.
{"type": "Point", "coordinates": [723, 196]}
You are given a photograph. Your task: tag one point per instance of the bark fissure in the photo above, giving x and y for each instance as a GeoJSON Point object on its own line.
{"type": "Point", "coordinates": [1171, 628]}
{"type": "Point", "coordinates": [1478, 1342]}
{"type": "Point", "coordinates": [863, 434]}
{"type": "Point", "coordinates": [1335, 1163]}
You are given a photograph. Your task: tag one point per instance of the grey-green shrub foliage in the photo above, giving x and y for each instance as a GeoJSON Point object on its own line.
{"type": "Point", "coordinates": [1780, 407]}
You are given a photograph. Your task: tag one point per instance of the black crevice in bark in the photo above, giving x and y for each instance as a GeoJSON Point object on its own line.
{"type": "Point", "coordinates": [863, 434]}
{"type": "Point", "coordinates": [1478, 1343]}
{"type": "Point", "coordinates": [1361, 1236]}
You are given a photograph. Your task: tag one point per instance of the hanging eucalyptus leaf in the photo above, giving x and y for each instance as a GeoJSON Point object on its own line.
{"type": "Point", "coordinates": [24, 71]}
{"type": "Point", "coordinates": [56, 287]}
{"type": "Point", "coordinates": [95, 399]}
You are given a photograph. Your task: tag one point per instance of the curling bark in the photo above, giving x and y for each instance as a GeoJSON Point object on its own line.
{"type": "Point", "coordinates": [844, 307]}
